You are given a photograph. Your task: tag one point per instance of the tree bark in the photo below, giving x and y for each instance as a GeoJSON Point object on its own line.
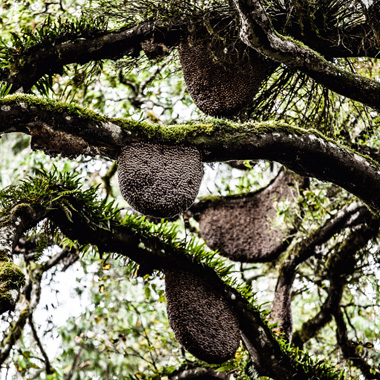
{"type": "Point", "coordinates": [340, 265]}
{"type": "Point", "coordinates": [298, 252]}
{"type": "Point", "coordinates": [258, 33]}
{"type": "Point", "coordinates": [41, 60]}
{"type": "Point", "coordinates": [59, 129]}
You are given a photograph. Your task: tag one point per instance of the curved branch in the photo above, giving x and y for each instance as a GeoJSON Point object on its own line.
{"type": "Point", "coordinates": [270, 360]}
{"type": "Point", "coordinates": [258, 33]}
{"type": "Point", "coordinates": [41, 60]}
{"type": "Point", "coordinates": [339, 267]}
{"type": "Point", "coordinates": [70, 131]}
{"type": "Point", "coordinates": [15, 223]}
{"type": "Point", "coordinates": [300, 251]}
{"type": "Point", "coordinates": [48, 366]}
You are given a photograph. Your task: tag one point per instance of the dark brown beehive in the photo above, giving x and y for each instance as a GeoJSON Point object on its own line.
{"type": "Point", "coordinates": [243, 229]}
{"type": "Point", "coordinates": [222, 87]}
{"type": "Point", "coordinates": [202, 320]}
{"type": "Point", "coordinates": [159, 180]}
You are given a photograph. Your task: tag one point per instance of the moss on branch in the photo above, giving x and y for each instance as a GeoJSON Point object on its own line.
{"type": "Point", "coordinates": [73, 130]}
{"type": "Point", "coordinates": [154, 247]}
{"type": "Point", "coordinates": [11, 281]}
{"type": "Point", "coordinates": [191, 133]}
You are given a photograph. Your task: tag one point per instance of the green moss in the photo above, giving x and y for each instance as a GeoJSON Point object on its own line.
{"type": "Point", "coordinates": [196, 133]}
{"type": "Point", "coordinates": [11, 278]}
{"type": "Point", "coordinates": [11, 275]}
{"type": "Point", "coordinates": [167, 133]}
{"type": "Point", "coordinates": [52, 106]}
{"type": "Point", "coordinates": [211, 198]}
{"type": "Point", "coordinates": [3, 256]}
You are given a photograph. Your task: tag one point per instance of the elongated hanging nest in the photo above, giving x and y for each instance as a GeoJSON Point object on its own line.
{"type": "Point", "coordinates": [159, 180]}
{"type": "Point", "coordinates": [222, 87]}
{"type": "Point", "coordinates": [202, 320]}
{"type": "Point", "coordinates": [243, 228]}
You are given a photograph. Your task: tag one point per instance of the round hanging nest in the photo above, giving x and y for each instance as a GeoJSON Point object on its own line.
{"type": "Point", "coordinates": [202, 320]}
{"type": "Point", "coordinates": [159, 180]}
{"type": "Point", "coordinates": [242, 228]}
{"type": "Point", "coordinates": [222, 87]}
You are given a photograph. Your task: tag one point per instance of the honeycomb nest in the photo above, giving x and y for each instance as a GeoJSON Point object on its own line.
{"type": "Point", "coordinates": [221, 88]}
{"type": "Point", "coordinates": [159, 180]}
{"type": "Point", "coordinates": [201, 319]}
{"type": "Point", "coordinates": [242, 229]}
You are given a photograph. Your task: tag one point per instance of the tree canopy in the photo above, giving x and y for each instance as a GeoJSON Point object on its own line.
{"type": "Point", "coordinates": [111, 115]}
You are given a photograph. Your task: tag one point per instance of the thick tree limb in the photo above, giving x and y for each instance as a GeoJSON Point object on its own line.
{"type": "Point", "coordinates": [60, 129]}
{"type": "Point", "coordinates": [298, 252]}
{"type": "Point", "coordinates": [340, 265]}
{"type": "Point", "coordinates": [258, 33]}
{"type": "Point", "coordinates": [152, 253]}
{"type": "Point", "coordinates": [40, 60]}
{"type": "Point", "coordinates": [50, 59]}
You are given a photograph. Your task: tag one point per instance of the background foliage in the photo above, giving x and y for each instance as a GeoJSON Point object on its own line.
{"type": "Point", "coordinates": [96, 316]}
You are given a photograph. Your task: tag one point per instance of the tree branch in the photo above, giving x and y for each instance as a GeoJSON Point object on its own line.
{"type": "Point", "coordinates": [32, 293]}
{"type": "Point", "coordinates": [41, 59]}
{"type": "Point", "coordinates": [339, 267]}
{"type": "Point", "coordinates": [35, 299]}
{"type": "Point", "coordinates": [349, 348]}
{"type": "Point", "coordinates": [12, 225]}
{"type": "Point", "coordinates": [75, 363]}
{"type": "Point", "coordinates": [151, 252]}
{"type": "Point", "coordinates": [159, 249]}
{"type": "Point", "coordinates": [48, 59]}
{"type": "Point", "coordinates": [14, 334]}
{"type": "Point", "coordinates": [300, 251]}
{"type": "Point", "coordinates": [15, 223]}
{"type": "Point", "coordinates": [70, 131]}
{"type": "Point", "coordinates": [40, 346]}
{"type": "Point", "coordinates": [258, 33]}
